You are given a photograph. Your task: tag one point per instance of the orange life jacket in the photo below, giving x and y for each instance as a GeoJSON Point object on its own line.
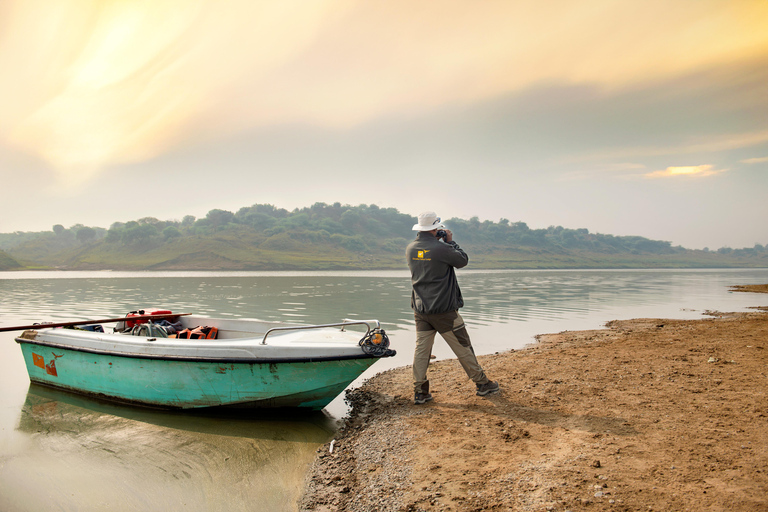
{"type": "Point", "coordinates": [198, 333]}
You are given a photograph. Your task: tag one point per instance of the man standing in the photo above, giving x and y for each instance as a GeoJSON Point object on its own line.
{"type": "Point", "coordinates": [435, 300]}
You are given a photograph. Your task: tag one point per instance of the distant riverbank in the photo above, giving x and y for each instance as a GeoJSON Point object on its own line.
{"type": "Point", "coordinates": [754, 288]}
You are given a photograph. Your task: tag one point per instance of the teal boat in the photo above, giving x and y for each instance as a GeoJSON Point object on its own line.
{"type": "Point", "coordinates": [249, 363]}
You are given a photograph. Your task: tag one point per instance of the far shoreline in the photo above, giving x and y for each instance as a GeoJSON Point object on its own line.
{"type": "Point", "coordinates": [752, 288]}
{"type": "Point", "coordinates": [386, 268]}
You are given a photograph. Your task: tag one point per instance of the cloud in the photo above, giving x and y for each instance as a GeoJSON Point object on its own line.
{"type": "Point", "coordinates": [699, 171]}
{"type": "Point", "coordinates": [712, 143]}
{"type": "Point", "coordinates": [600, 171]}
{"type": "Point", "coordinates": [94, 84]}
{"type": "Point", "coordinates": [760, 160]}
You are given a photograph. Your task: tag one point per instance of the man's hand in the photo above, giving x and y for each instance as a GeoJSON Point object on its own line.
{"type": "Point", "coordinates": [448, 235]}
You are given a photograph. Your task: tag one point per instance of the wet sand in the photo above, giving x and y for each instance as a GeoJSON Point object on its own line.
{"type": "Point", "coordinates": [647, 414]}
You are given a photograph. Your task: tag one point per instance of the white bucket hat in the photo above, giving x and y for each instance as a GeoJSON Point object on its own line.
{"type": "Point", "coordinates": [427, 222]}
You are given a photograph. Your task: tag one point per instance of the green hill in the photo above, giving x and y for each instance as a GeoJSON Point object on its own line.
{"type": "Point", "coordinates": [8, 263]}
{"type": "Point", "coordinates": [321, 237]}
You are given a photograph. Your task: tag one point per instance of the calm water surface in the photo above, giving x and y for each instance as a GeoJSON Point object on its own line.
{"type": "Point", "coordinates": [59, 451]}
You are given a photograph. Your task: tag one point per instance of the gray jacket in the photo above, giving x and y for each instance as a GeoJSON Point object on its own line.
{"type": "Point", "coordinates": [432, 263]}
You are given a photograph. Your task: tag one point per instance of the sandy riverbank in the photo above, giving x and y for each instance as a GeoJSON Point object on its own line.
{"type": "Point", "coordinates": [647, 414]}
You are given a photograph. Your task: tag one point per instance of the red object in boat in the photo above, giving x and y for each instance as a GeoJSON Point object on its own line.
{"type": "Point", "coordinates": [131, 323]}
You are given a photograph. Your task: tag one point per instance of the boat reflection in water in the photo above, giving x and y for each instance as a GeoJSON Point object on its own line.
{"type": "Point", "coordinates": [85, 454]}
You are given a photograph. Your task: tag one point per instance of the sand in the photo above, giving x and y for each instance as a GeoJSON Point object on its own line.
{"type": "Point", "coordinates": [647, 414]}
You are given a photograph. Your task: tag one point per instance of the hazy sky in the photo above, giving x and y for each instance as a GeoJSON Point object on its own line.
{"type": "Point", "coordinates": [643, 117]}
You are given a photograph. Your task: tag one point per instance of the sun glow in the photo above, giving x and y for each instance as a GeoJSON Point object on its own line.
{"type": "Point", "coordinates": [692, 170]}
{"type": "Point", "coordinates": [111, 104]}
{"type": "Point", "coordinates": [133, 85]}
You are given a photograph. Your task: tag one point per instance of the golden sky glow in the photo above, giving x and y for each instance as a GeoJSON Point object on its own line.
{"type": "Point", "coordinates": [97, 83]}
{"type": "Point", "coordinates": [691, 171]}
{"type": "Point", "coordinates": [117, 81]}
{"type": "Point", "coordinates": [759, 160]}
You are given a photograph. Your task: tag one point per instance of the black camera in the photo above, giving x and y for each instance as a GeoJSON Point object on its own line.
{"type": "Point", "coordinates": [441, 233]}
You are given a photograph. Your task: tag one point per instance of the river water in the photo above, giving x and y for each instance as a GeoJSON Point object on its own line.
{"type": "Point", "coordinates": [60, 451]}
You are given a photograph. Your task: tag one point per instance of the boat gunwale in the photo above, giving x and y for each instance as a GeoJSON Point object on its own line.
{"type": "Point", "coordinates": [226, 360]}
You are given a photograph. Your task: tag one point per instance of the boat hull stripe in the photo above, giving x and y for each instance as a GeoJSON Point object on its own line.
{"type": "Point", "coordinates": [255, 360]}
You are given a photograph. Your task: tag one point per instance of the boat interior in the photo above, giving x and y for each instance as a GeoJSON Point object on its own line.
{"type": "Point", "coordinates": [200, 327]}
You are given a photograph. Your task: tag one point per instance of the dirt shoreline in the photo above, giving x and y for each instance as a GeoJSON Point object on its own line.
{"type": "Point", "coordinates": [647, 414]}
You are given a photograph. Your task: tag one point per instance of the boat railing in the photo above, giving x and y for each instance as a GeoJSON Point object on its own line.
{"type": "Point", "coordinates": [344, 323]}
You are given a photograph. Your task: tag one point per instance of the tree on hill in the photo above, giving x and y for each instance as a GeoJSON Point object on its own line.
{"type": "Point", "coordinates": [85, 234]}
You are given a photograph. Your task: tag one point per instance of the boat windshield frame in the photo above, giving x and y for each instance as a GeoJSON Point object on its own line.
{"type": "Point", "coordinates": [341, 324]}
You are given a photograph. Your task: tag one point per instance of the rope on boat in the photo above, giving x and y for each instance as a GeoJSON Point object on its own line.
{"type": "Point", "coordinates": [376, 343]}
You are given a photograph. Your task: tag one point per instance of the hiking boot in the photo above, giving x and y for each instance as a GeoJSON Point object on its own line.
{"type": "Point", "coordinates": [422, 398]}
{"type": "Point", "coordinates": [487, 388]}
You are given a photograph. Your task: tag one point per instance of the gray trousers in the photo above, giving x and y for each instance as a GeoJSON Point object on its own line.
{"type": "Point", "coordinates": [451, 327]}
